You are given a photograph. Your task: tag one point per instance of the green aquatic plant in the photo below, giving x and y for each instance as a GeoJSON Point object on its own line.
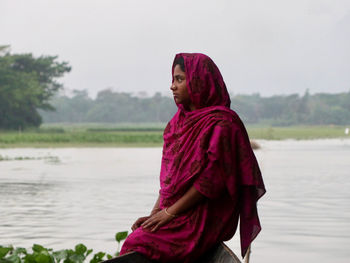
{"type": "Point", "coordinates": [120, 236]}
{"type": "Point", "coordinates": [40, 254]}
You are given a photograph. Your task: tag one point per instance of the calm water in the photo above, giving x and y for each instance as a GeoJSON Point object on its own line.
{"type": "Point", "coordinates": [91, 193]}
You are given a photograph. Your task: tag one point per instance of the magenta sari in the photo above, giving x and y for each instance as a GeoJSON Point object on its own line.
{"type": "Point", "coordinates": [207, 148]}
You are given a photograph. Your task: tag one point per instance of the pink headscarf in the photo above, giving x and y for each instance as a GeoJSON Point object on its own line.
{"type": "Point", "coordinates": [210, 149]}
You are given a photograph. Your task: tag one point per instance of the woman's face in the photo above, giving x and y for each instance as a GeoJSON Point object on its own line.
{"type": "Point", "coordinates": [179, 89]}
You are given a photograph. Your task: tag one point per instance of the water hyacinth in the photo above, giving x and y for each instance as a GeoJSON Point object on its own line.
{"type": "Point", "coordinates": [40, 254]}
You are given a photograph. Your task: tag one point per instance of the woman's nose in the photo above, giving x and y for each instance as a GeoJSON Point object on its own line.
{"type": "Point", "coordinates": [172, 87]}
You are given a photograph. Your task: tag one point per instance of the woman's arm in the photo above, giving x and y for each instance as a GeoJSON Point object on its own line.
{"type": "Point", "coordinates": [156, 206]}
{"type": "Point", "coordinates": [188, 200]}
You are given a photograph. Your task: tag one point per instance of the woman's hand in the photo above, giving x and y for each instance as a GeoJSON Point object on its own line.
{"type": "Point", "coordinates": [155, 221]}
{"type": "Point", "coordinates": [155, 211]}
{"type": "Point", "coordinates": [138, 222]}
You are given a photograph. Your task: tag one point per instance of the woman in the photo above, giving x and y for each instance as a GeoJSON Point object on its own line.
{"type": "Point", "coordinates": [209, 175]}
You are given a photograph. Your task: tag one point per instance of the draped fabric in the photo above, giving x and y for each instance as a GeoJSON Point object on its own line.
{"type": "Point", "coordinates": [207, 148]}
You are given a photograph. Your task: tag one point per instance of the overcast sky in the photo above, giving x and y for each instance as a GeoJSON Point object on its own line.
{"type": "Point", "coordinates": [267, 47]}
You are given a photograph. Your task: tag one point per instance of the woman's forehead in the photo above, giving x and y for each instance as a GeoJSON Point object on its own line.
{"type": "Point", "coordinates": [178, 71]}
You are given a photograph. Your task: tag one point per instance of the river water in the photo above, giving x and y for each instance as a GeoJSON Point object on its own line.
{"type": "Point", "coordinates": [85, 195]}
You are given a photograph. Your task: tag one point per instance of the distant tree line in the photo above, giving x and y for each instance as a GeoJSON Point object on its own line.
{"type": "Point", "coordinates": [29, 95]}
{"type": "Point", "coordinates": [281, 110]}
{"type": "Point", "coordinates": [285, 110]}
{"type": "Point", "coordinates": [109, 107]}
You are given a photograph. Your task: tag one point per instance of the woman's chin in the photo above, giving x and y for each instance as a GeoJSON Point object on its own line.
{"type": "Point", "coordinates": [177, 101]}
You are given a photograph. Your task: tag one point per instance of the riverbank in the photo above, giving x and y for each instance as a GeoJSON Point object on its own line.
{"type": "Point", "coordinates": [297, 132]}
{"type": "Point", "coordinates": [142, 135]}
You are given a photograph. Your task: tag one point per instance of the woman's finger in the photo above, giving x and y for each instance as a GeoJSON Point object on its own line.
{"type": "Point", "coordinates": [134, 227]}
{"type": "Point", "coordinates": [148, 223]}
{"type": "Point", "coordinates": [156, 227]}
{"type": "Point", "coordinates": [137, 223]}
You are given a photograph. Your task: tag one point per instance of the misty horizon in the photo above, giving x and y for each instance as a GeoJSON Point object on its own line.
{"type": "Point", "coordinates": [270, 47]}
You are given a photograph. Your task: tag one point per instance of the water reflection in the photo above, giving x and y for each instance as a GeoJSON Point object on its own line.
{"type": "Point", "coordinates": [93, 193]}
{"type": "Point", "coordinates": [8, 189]}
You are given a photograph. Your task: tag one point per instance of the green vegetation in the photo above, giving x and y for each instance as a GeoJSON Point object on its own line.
{"type": "Point", "coordinates": [85, 135]}
{"type": "Point", "coordinates": [110, 107]}
{"type": "Point", "coordinates": [86, 138]}
{"type": "Point", "coordinates": [143, 136]}
{"type": "Point", "coordinates": [278, 110]}
{"type": "Point", "coordinates": [296, 132]}
{"type": "Point", "coordinates": [26, 85]}
{"type": "Point", "coordinates": [99, 127]}
{"type": "Point", "coordinates": [288, 110]}
{"type": "Point", "coordinates": [40, 254]}
{"type": "Point", "coordinates": [28, 94]}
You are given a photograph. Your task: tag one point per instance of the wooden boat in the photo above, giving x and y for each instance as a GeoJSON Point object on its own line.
{"type": "Point", "coordinates": [219, 254]}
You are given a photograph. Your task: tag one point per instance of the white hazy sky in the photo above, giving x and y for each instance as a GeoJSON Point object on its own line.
{"type": "Point", "coordinates": [267, 47]}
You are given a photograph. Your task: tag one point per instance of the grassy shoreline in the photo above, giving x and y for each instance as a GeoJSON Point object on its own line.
{"type": "Point", "coordinates": [80, 145]}
{"type": "Point", "coordinates": [297, 132]}
{"type": "Point", "coordinates": [143, 136]}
